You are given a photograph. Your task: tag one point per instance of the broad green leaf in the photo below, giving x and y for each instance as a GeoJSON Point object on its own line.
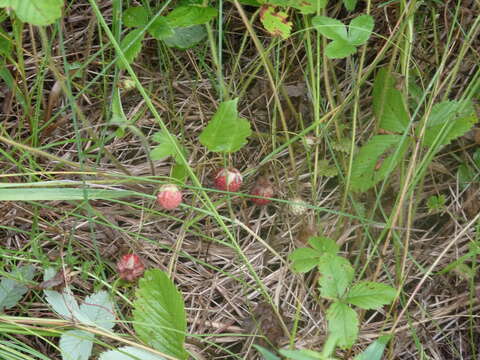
{"type": "Point", "coordinates": [375, 350]}
{"type": "Point", "coordinates": [360, 29]}
{"type": "Point", "coordinates": [370, 295]}
{"type": "Point", "coordinates": [336, 276]}
{"type": "Point", "coordinates": [350, 4]}
{"type": "Point", "coordinates": [35, 12]}
{"type": "Point", "coordinates": [6, 44]}
{"type": "Point", "coordinates": [179, 172]}
{"type": "Point", "coordinates": [275, 21]}
{"type": "Point", "coordinates": [332, 29]}
{"type": "Point", "coordinates": [76, 345]}
{"type": "Point", "coordinates": [226, 132]}
{"type": "Point", "coordinates": [267, 355]}
{"type": "Point", "coordinates": [98, 308]}
{"type": "Point", "coordinates": [136, 16]}
{"type": "Point", "coordinates": [449, 120]}
{"type": "Point", "coordinates": [160, 29]}
{"type": "Point", "coordinates": [339, 49]}
{"type": "Point", "coordinates": [54, 194]}
{"type": "Point", "coordinates": [129, 353]}
{"type": "Point", "coordinates": [324, 245]}
{"type": "Point", "coordinates": [131, 45]}
{"type": "Point", "coordinates": [185, 16]}
{"type": "Point", "coordinates": [342, 324]}
{"type": "Point", "coordinates": [187, 37]}
{"type": "Point", "coordinates": [166, 147]}
{"type": "Point", "coordinates": [388, 103]}
{"type": "Point", "coordinates": [304, 259]}
{"type": "Point", "coordinates": [303, 354]}
{"type": "Point", "coordinates": [159, 314]}
{"type": "Point", "coordinates": [374, 159]}
{"type": "Point", "coordinates": [12, 288]}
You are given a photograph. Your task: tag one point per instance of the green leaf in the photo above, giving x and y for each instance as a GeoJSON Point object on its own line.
{"type": "Point", "coordinates": [373, 161]}
{"type": "Point", "coordinates": [54, 194]}
{"type": "Point", "coordinates": [131, 45]}
{"type": "Point", "coordinates": [275, 21]}
{"type": "Point", "coordinates": [98, 308]}
{"type": "Point", "coordinates": [337, 274]}
{"type": "Point", "coordinates": [129, 353]}
{"type": "Point", "coordinates": [304, 259]}
{"type": "Point", "coordinates": [187, 37]}
{"type": "Point", "coordinates": [118, 115]}
{"type": "Point", "coordinates": [76, 345]}
{"type": "Point", "coordinates": [226, 132]}
{"type": "Point", "coordinates": [12, 288]}
{"type": "Point", "coordinates": [350, 4]}
{"type": "Point", "coordinates": [35, 12]}
{"type": "Point", "coordinates": [167, 147]}
{"type": "Point", "coordinates": [6, 44]}
{"type": "Point", "coordinates": [309, 6]}
{"type": "Point", "coordinates": [324, 245]}
{"type": "Point", "coordinates": [370, 295]}
{"type": "Point", "coordinates": [303, 354]}
{"type": "Point", "coordinates": [64, 304]}
{"type": "Point", "coordinates": [136, 16]}
{"type": "Point", "coordinates": [449, 120]}
{"type": "Point", "coordinates": [375, 350]}
{"type": "Point", "coordinates": [388, 103]}
{"type": "Point", "coordinates": [339, 49]}
{"type": "Point", "coordinates": [332, 29]}
{"type": "Point", "coordinates": [179, 172]}
{"type": "Point", "coordinates": [360, 29]}
{"type": "Point", "coordinates": [342, 324]}
{"type": "Point", "coordinates": [159, 314]}
{"type": "Point", "coordinates": [160, 29]}
{"type": "Point", "coordinates": [185, 16]}
{"type": "Point", "coordinates": [267, 355]}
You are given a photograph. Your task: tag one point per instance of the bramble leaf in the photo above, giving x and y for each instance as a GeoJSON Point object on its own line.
{"type": "Point", "coordinates": [226, 132]}
{"type": "Point", "coordinates": [159, 314]}
{"type": "Point", "coordinates": [336, 276]}
{"type": "Point", "coordinates": [342, 324]}
{"type": "Point", "coordinates": [370, 295]}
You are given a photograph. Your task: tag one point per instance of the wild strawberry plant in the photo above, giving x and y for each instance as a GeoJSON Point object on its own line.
{"type": "Point", "coordinates": [336, 285]}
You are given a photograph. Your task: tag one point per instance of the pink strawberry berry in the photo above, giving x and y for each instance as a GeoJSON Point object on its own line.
{"type": "Point", "coordinates": [130, 267]}
{"type": "Point", "coordinates": [169, 196]}
{"type": "Point", "coordinates": [228, 179]}
{"type": "Point", "coordinates": [263, 187]}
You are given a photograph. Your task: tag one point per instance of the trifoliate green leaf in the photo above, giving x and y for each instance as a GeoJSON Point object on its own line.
{"type": "Point", "coordinates": [160, 29]}
{"type": "Point", "coordinates": [360, 29]}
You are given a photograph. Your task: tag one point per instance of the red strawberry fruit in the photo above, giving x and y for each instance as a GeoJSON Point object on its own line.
{"type": "Point", "coordinates": [169, 196]}
{"type": "Point", "coordinates": [263, 187]}
{"type": "Point", "coordinates": [228, 179]}
{"type": "Point", "coordinates": [130, 267]}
